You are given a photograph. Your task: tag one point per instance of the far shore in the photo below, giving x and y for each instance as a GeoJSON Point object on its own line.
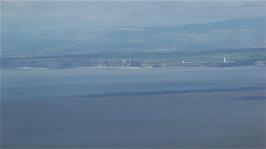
{"type": "Point", "coordinates": [129, 68]}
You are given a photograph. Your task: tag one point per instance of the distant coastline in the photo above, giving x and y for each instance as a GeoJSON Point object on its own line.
{"type": "Point", "coordinates": [137, 59]}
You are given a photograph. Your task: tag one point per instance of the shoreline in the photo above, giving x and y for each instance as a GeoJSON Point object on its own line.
{"type": "Point", "coordinates": [130, 68]}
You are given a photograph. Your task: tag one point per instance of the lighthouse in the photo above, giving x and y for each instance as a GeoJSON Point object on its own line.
{"type": "Point", "coordinates": [225, 60]}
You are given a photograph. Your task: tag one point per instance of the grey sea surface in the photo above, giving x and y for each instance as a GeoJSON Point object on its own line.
{"type": "Point", "coordinates": [199, 107]}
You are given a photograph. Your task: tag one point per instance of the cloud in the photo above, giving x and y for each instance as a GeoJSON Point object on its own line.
{"type": "Point", "coordinates": [89, 18]}
{"type": "Point", "coordinates": [70, 14]}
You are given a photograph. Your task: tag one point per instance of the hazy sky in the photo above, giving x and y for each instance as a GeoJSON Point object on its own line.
{"type": "Point", "coordinates": [42, 15]}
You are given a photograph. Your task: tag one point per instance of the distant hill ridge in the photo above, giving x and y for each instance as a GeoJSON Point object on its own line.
{"type": "Point", "coordinates": [235, 33]}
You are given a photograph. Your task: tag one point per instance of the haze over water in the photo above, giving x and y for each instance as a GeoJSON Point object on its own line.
{"type": "Point", "coordinates": [158, 108]}
{"type": "Point", "coordinates": [133, 74]}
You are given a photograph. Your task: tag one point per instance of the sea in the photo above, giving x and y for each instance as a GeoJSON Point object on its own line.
{"type": "Point", "coordinates": [186, 107]}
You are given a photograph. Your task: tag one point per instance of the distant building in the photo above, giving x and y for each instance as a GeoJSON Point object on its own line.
{"type": "Point", "coordinates": [226, 61]}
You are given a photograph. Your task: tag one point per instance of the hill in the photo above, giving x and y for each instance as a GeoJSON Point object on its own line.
{"type": "Point", "coordinates": [229, 34]}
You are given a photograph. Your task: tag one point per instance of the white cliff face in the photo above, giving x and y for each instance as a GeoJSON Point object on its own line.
{"type": "Point", "coordinates": [62, 62]}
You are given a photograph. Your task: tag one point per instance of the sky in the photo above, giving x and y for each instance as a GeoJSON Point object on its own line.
{"type": "Point", "coordinates": [46, 15]}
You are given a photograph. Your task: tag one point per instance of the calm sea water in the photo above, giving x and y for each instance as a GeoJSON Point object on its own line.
{"type": "Point", "coordinates": [138, 108]}
{"type": "Point", "coordinates": [43, 84]}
